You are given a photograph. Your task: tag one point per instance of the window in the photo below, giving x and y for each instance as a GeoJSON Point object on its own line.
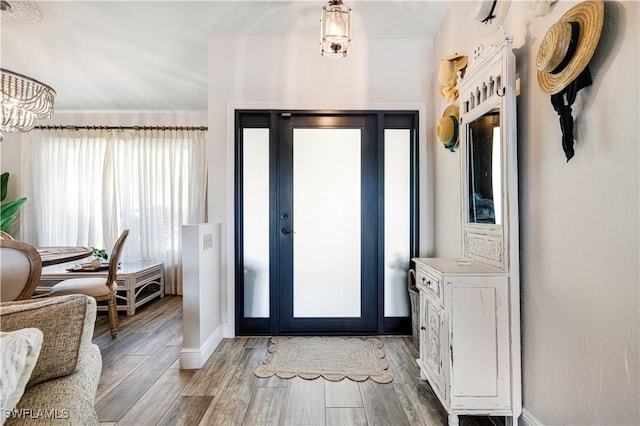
{"type": "Point", "coordinates": [87, 186]}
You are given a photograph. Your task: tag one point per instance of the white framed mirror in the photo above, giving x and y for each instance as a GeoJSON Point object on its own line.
{"type": "Point", "coordinates": [488, 159]}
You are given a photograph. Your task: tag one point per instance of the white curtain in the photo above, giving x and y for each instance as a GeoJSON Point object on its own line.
{"type": "Point", "coordinates": [157, 181]}
{"type": "Point", "coordinates": [150, 181]}
{"type": "Point", "coordinates": [62, 178]}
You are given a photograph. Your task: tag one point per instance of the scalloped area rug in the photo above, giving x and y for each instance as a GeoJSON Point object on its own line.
{"type": "Point", "coordinates": [333, 358]}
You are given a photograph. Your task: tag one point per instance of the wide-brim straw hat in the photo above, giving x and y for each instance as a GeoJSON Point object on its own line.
{"type": "Point", "coordinates": [449, 67]}
{"type": "Point", "coordinates": [447, 130]}
{"type": "Point", "coordinates": [483, 9]}
{"type": "Point", "coordinates": [554, 50]}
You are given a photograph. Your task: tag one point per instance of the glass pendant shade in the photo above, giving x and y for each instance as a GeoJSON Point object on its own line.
{"type": "Point", "coordinates": [23, 101]}
{"type": "Point", "coordinates": [335, 29]}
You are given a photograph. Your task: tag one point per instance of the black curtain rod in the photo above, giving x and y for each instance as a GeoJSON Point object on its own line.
{"type": "Point", "coordinates": [71, 127]}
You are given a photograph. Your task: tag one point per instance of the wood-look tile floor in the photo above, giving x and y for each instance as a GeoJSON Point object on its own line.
{"type": "Point", "coordinates": [142, 384]}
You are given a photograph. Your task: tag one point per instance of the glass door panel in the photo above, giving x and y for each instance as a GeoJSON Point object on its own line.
{"type": "Point", "coordinates": [255, 222]}
{"type": "Point", "coordinates": [397, 215]}
{"type": "Point", "coordinates": [327, 223]}
{"type": "Point", "coordinates": [326, 238]}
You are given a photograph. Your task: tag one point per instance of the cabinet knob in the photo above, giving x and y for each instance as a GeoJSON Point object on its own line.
{"type": "Point", "coordinates": [423, 328]}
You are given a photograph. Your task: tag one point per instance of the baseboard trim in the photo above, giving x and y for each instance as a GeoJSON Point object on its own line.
{"type": "Point", "coordinates": [528, 419]}
{"type": "Point", "coordinates": [194, 358]}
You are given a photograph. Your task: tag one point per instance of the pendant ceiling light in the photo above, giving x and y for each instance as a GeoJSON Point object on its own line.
{"type": "Point", "coordinates": [23, 99]}
{"type": "Point", "coordinates": [335, 27]}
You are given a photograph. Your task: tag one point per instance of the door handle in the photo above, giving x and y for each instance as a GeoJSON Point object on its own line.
{"type": "Point", "coordinates": [286, 231]}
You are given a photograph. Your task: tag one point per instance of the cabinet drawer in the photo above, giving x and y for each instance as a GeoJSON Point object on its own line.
{"type": "Point", "coordinates": [430, 284]}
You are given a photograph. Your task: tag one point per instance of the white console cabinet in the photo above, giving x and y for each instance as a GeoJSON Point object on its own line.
{"type": "Point", "coordinates": [464, 336]}
{"type": "Point", "coordinates": [470, 306]}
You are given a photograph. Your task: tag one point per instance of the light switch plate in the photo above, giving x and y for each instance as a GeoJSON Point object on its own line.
{"type": "Point", "coordinates": [207, 241]}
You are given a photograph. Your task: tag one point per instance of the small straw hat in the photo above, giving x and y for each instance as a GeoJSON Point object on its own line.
{"type": "Point", "coordinates": [489, 14]}
{"type": "Point", "coordinates": [449, 67]}
{"type": "Point", "coordinates": [567, 47]}
{"type": "Point", "coordinates": [447, 130]}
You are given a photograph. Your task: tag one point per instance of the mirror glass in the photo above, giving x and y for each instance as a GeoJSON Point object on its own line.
{"type": "Point", "coordinates": [484, 169]}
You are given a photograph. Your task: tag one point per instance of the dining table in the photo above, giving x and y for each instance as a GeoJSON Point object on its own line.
{"type": "Point", "coordinates": [62, 254]}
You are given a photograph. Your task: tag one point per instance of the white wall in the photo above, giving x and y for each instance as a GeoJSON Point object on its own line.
{"type": "Point", "coordinates": [201, 325]}
{"type": "Point", "coordinates": [578, 222]}
{"type": "Point", "coordinates": [272, 72]}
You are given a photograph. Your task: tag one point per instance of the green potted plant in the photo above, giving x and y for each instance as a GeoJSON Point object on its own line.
{"type": "Point", "coordinates": [98, 256]}
{"type": "Point", "coordinates": [8, 210]}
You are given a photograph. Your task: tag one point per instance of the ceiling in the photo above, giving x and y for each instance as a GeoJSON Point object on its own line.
{"type": "Point", "coordinates": [152, 55]}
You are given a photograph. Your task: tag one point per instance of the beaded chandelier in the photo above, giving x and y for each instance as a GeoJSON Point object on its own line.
{"type": "Point", "coordinates": [24, 99]}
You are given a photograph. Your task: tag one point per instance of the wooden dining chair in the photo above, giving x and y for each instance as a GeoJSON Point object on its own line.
{"type": "Point", "coordinates": [99, 288]}
{"type": "Point", "coordinates": [5, 236]}
{"type": "Point", "coordinates": [20, 270]}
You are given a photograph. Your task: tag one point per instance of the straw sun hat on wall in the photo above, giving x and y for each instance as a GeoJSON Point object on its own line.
{"type": "Point", "coordinates": [447, 131]}
{"type": "Point", "coordinates": [567, 47]}
{"type": "Point", "coordinates": [450, 66]}
{"type": "Point", "coordinates": [563, 61]}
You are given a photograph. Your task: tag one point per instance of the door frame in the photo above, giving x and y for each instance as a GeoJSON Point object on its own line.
{"type": "Point", "coordinates": [267, 118]}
